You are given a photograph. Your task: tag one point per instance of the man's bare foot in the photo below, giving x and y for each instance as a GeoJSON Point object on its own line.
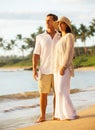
{"type": "Point", "coordinates": [40, 120]}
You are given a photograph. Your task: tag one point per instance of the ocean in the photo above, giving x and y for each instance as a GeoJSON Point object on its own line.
{"type": "Point", "coordinates": [21, 112]}
{"type": "Point", "coordinates": [19, 80]}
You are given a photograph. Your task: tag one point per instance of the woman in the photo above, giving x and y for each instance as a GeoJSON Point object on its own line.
{"type": "Point", "coordinates": [63, 70]}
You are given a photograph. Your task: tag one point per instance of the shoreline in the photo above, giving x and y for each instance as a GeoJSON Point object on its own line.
{"type": "Point", "coordinates": [85, 122]}
{"type": "Point", "coordinates": [31, 95]}
{"type": "Point", "coordinates": [16, 114]}
{"type": "Point", "coordinates": [85, 68]}
{"type": "Point", "coordinates": [22, 109]}
{"type": "Point", "coordinates": [30, 68]}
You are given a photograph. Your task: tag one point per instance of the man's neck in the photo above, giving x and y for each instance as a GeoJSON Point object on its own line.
{"type": "Point", "coordinates": [51, 32]}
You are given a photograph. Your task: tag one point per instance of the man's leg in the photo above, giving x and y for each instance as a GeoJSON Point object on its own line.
{"type": "Point", "coordinates": [54, 97]}
{"type": "Point", "coordinates": [54, 101]}
{"type": "Point", "coordinates": [43, 104]}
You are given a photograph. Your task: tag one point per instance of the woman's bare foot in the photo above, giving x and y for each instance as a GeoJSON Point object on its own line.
{"type": "Point", "coordinates": [76, 117]}
{"type": "Point", "coordinates": [54, 118]}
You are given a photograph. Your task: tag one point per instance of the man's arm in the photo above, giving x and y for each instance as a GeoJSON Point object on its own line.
{"type": "Point", "coordinates": [35, 62]}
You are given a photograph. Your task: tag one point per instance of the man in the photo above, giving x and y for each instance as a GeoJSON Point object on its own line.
{"type": "Point", "coordinates": [44, 52]}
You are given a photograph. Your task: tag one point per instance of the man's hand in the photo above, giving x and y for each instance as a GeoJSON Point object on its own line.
{"type": "Point", "coordinates": [35, 74]}
{"type": "Point", "coordinates": [35, 63]}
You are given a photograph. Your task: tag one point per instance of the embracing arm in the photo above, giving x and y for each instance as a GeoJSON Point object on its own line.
{"type": "Point", "coordinates": [69, 52]}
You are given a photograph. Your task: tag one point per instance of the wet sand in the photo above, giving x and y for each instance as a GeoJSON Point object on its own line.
{"type": "Point", "coordinates": [85, 122]}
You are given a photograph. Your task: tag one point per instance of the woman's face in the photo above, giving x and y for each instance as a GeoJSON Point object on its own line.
{"type": "Point", "coordinates": [62, 26]}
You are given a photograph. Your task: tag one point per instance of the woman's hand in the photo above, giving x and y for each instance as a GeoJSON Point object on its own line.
{"type": "Point", "coordinates": [62, 70]}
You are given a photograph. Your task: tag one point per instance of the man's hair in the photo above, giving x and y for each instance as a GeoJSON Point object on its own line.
{"type": "Point", "coordinates": [55, 18]}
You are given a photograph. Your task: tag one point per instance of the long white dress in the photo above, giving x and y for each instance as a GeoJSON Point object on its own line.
{"type": "Point", "coordinates": [64, 108]}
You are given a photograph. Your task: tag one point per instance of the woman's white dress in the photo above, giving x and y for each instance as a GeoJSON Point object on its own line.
{"type": "Point", "coordinates": [64, 53]}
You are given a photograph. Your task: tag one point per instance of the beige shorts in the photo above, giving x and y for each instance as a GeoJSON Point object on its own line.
{"type": "Point", "coordinates": [46, 83]}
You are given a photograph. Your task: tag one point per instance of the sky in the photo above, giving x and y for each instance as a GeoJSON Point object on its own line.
{"type": "Point", "coordinates": [79, 11]}
{"type": "Point", "coordinates": [25, 16]}
{"type": "Point", "coordinates": [16, 12]}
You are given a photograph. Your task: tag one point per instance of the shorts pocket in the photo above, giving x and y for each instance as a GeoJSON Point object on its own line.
{"type": "Point", "coordinates": [40, 77]}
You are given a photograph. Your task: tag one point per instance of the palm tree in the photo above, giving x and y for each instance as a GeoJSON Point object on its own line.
{"type": "Point", "coordinates": [93, 25]}
{"type": "Point", "coordinates": [19, 36]}
{"type": "Point", "coordinates": [75, 31]}
{"type": "Point", "coordinates": [32, 40]}
{"type": "Point", "coordinates": [91, 34]}
{"type": "Point", "coordinates": [23, 47]}
{"type": "Point", "coordinates": [29, 42]}
{"type": "Point", "coordinates": [40, 30]}
{"type": "Point", "coordinates": [1, 42]}
{"type": "Point", "coordinates": [33, 37]}
{"type": "Point", "coordinates": [12, 42]}
{"type": "Point", "coordinates": [8, 47]}
{"type": "Point", "coordinates": [20, 43]}
{"type": "Point", "coordinates": [83, 35]}
{"type": "Point", "coordinates": [93, 30]}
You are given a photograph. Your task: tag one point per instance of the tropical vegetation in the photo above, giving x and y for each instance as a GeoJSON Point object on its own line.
{"type": "Point", "coordinates": [84, 56]}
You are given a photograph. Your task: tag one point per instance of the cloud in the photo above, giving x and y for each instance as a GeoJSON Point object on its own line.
{"type": "Point", "coordinates": [76, 10]}
{"type": "Point", "coordinates": [73, 1]}
{"type": "Point", "coordinates": [22, 16]}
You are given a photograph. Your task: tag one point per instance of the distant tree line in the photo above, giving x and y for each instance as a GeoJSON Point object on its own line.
{"type": "Point", "coordinates": [24, 44]}
{"type": "Point", "coordinates": [82, 33]}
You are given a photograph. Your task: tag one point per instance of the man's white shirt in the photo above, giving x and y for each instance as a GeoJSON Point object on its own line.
{"type": "Point", "coordinates": [45, 47]}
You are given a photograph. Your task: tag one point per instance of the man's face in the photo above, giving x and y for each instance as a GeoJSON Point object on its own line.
{"type": "Point", "coordinates": [49, 22]}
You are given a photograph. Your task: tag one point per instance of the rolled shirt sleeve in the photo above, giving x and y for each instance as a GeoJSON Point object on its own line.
{"type": "Point", "coordinates": [37, 49]}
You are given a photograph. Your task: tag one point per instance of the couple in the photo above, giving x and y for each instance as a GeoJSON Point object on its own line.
{"type": "Point", "coordinates": [54, 51]}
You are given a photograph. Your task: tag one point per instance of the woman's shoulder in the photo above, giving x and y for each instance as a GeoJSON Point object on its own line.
{"type": "Point", "coordinates": [69, 35]}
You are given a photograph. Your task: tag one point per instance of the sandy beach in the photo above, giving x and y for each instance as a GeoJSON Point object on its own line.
{"type": "Point", "coordinates": [85, 122]}
{"type": "Point", "coordinates": [20, 110]}
{"type": "Point", "coordinates": [86, 68]}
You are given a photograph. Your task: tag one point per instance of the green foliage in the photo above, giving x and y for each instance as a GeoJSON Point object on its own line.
{"type": "Point", "coordinates": [84, 61]}
{"type": "Point", "coordinates": [16, 62]}
{"type": "Point", "coordinates": [84, 56]}
{"type": "Point", "coordinates": [79, 61]}
{"type": "Point", "coordinates": [81, 33]}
